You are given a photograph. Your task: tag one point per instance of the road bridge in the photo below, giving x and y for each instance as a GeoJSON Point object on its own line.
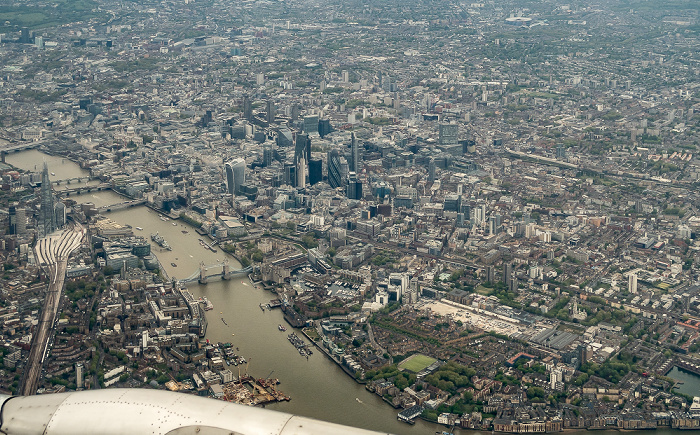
{"type": "Point", "coordinates": [15, 148]}
{"type": "Point", "coordinates": [83, 179]}
{"type": "Point", "coordinates": [203, 275]}
{"type": "Point", "coordinates": [121, 205]}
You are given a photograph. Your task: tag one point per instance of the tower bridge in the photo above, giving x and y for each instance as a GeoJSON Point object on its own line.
{"type": "Point", "coordinates": [207, 272]}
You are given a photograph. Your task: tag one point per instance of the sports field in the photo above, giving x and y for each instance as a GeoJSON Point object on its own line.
{"type": "Point", "coordinates": [416, 363]}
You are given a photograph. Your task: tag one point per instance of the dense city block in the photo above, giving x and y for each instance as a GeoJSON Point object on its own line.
{"type": "Point", "coordinates": [487, 214]}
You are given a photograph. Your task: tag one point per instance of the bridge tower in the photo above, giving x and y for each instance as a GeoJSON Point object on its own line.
{"type": "Point", "coordinates": [224, 273]}
{"type": "Point", "coordinates": [202, 273]}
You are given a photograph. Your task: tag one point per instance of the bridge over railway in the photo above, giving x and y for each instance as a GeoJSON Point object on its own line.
{"type": "Point", "coordinates": [203, 275]}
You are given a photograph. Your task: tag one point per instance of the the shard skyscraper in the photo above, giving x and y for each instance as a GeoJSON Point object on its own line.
{"type": "Point", "coordinates": [47, 217]}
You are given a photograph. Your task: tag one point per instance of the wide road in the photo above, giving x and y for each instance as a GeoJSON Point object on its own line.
{"type": "Point", "coordinates": [52, 253]}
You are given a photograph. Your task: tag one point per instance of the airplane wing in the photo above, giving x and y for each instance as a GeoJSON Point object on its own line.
{"type": "Point", "coordinates": [140, 411]}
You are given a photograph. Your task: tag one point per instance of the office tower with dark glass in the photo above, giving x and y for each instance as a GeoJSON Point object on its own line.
{"type": "Point", "coordinates": [60, 212]}
{"type": "Point", "coordinates": [311, 124]}
{"type": "Point", "coordinates": [354, 187]}
{"type": "Point", "coordinates": [17, 219]}
{"type": "Point", "coordinates": [324, 127]}
{"type": "Point", "coordinates": [267, 155]}
{"type": "Point", "coordinates": [270, 111]}
{"type": "Point", "coordinates": [315, 171]}
{"type": "Point", "coordinates": [302, 147]}
{"type": "Point", "coordinates": [235, 175]}
{"type": "Point", "coordinates": [247, 108]}
{"type": "Point", "coordinates": [290, 174]}
{"type": "Point", "coordinates": [336, 175]}
{"type": "Point", "coordinates": [47, 217]}
{"type": "Point", "coordinates": [355, 155]}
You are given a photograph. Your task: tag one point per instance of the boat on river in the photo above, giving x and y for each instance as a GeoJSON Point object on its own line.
{"type": "Point", "coordinates": [161, 241]}
{"type": "Point", "coordinates": [208, 306]}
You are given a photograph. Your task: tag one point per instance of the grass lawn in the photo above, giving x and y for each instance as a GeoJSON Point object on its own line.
{"type": "Point", "coordinates": [416, 363]}
{"type": "Point", "coordinates": [484, 290]}
{"type": "Point", "coordinates": [312, 333]}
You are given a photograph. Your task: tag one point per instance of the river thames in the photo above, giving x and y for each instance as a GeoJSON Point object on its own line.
{"type": "Point", "coordinates": [317, 386]}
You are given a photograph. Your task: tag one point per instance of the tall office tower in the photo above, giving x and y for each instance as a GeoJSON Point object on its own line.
{"type": "Point", "coordinates": [324, 127]}
{"type": "Point", "coordinates": [302, 147]}
{"type": "Point", "coordinates": [448, 133]}
{"type": "Point", "coordinates": [24, 36]}
{"type": "Point", "coordinates": [267, 156]}
{"type": "Point", "coordinates": [12, 218]}
{"type": "Point", "coordinates": [315, 171]}
{"type": "Point", "coordinates": [290, 174]}
{"type": "Point", "coordinates": [632, 283]}
{"type": "Point", "coordinates": [271, 111]}
{"type": "Point", "coordinates": [247, 108]}
{"type": "Point", "coordinates": [466, 210]}
{"type": "Point", "coordinates": [47, 217]}
{"type": "Point", "coordinates": [354, 187]}
{"type": "Point", "coordinates": [79, 375]}
{"type": "Point", "coordinates": [60, 212]}
{"type": "Point", "coordinates": [480, 214]}
{"type": "Point", "coordinates": [311, 124]}
{"type": "Point", "coordinates": [432, 169]}
{"type": "Point", "coordinates": [507, 273]}
{"type": "Point", "coordinates": [21, 226]}
{"type": "Point", "coordinates": [355, 155]}
{"type": "Point", "coordinates": [285, 137]}
{"type": "Point", "coordinates": [294, 112]}
{"type": "Point", "coordinates": [301, 172]}
{"type": "Point", "coordinates": [335, 176]}
{"type": "Point", "coordinates": [235, 175]}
